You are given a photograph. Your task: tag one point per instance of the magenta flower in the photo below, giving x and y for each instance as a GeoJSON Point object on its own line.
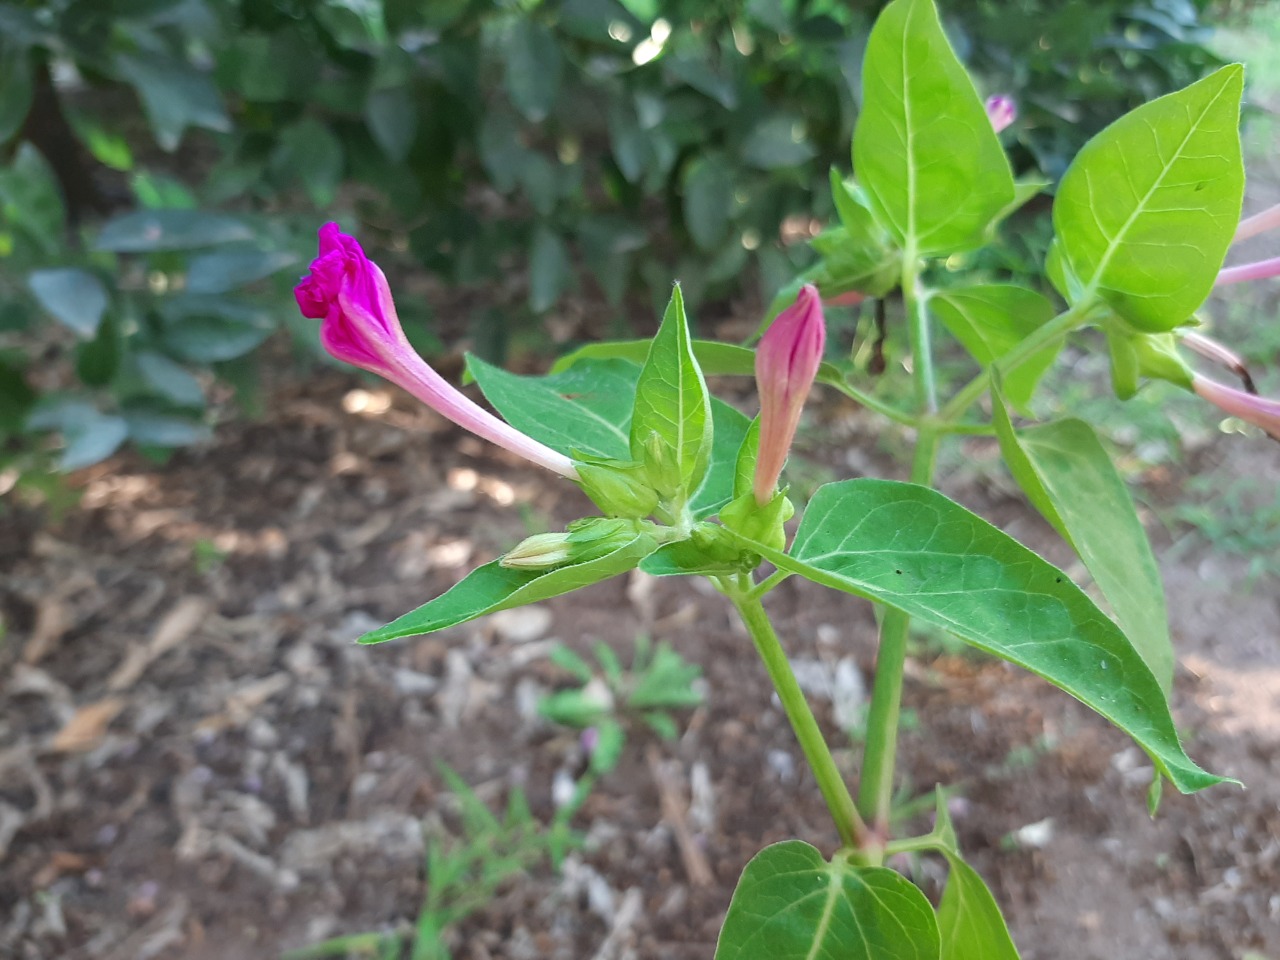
{"type": "Point", "coordinates": [1259, 411]}
{"type": "Point", "coordinates": [349, 294]}
{"type": "Point", "coordinates": [787, 362]}
{"type": "Point", "coordinates": [1001, 111]}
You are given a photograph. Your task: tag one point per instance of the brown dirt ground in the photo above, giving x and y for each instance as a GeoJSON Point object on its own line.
{"type": "Point", "coordinates": [196, 762]}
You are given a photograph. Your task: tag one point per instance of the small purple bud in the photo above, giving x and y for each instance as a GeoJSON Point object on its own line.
{"type": "Point", "coordinates": [1001, 111]}
{"type": "Point", "coordinates": [589, 740]}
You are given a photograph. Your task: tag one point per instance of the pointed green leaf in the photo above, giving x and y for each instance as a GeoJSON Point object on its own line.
{"type": "Point", "coordinates": [1147, 209]}
{"type": "Point", "coordinates": [913, 549]}
{"type": "Point", "coordinates": [923, 149]}
{"type": "Point", "coordinates": [969, 918]}
{"type": "Point", "coordinates": [1065, 471]}
{"type": "Point", "coordinates": [990, 319]}
{"type": "Point", "coordinates": [74, 296]}
{"type": "Point", "coordinates": [583, 410]}
{"type": "Point", "coordinates": [672, 401]}
{"type": "Point", "coordinates": [791, 904]}
{"type": "Point", "coordinates": [493, 587]}
{"type": "Point", "coordinates": [587, 410]}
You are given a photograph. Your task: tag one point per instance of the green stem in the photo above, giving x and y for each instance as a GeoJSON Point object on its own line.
{"type": "Point", "coordinates": [1054, 330]}
{"type": "Point", "coordinates": [875, 795]}
{"type": "Point", "coordinates": [920, 334]}
{"type": "Point", "coordinates": [839, 801]}
{"type": "Point", "coordinates": [767, 584]}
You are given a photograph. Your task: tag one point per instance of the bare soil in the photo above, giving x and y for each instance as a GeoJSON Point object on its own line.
{"type": "Point", "coordinates": [197, 762]}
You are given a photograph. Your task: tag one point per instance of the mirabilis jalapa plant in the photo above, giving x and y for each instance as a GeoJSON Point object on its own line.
{"type": "Point", "coordinates": [687, 485]}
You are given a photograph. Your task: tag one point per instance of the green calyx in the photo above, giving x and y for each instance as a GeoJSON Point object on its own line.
{"type": "Point", "coordinates": [1136, 355]}
{"type": "Point", "coordinates": [619, 489]}
{"type": "Point", "coordinates": [763, 524]}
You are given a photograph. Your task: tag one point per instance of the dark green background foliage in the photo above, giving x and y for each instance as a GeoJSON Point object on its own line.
{"type": "Point", "coordinates": [602, 146]}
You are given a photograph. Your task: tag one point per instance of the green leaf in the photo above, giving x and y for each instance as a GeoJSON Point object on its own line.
{"type": "Point", "coordinates": [744, 470]}
{"type": "Point", "coordinates": [777, 141]}
{"type": "Point", "coordinates": [392, 117]}
{"type": "Point", "coordinates": [149, 231]}
{"type": "Point", "coordinates": [791, 904]}
{"type": "Point", "coordinates": [923, 148]}
{"type": "Point", "coordinates": [587, 410]}
{"type": "Point", "coordinates": [164, 430]}
{"type": "Point", "coordinates": [224, 270]}
{"type": "Point", "coordinates": [1147, 209]}
{"type": "Point", "coordinates": [97, 360]}
{"type": "Point", "coordinates": [16, 89]}
{"type": "Point", "coordinates": [548, 269]}
{"type": "Point", "coordinates": [204, 329]}
{"type": "Point", "coordinates": [533, 68]}
{"type": "Point", "coordinates": [913, 549]}
{"type": "Point", "coordinates": [969, 918]}
{"type": "Point", "coordinates": [1068, 476]}
{"type": "Point", "coordinates": [30, 199]}
{"type": "Point", "coordinates": [493, 587]}
{"type": "Point", "coordinates": [74, 296]}
{"type": "Point", "coordinates": [90, 434]}
{"type": "Point", "coordinates": [312, 152]}
{"type": "Point", "coordinates": [672, 404]}
{"type": "Point", "coordinates": [175, 95]}
{"type": "Point", "coordinates": [708, 200]}
{"type": "Point", "coordinates": [169, 380]}
{"type": "Point", "coordinates": [990, 320]}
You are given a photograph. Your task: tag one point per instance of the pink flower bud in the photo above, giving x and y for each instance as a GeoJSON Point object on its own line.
{"type": "Point", "coordinates": [787, 362]}
{"type": "Point", "coordinates": [1260, 270]}
{"type": "Point", "coordinates": [349, 295]}
{"type": "Point", "coordinates": [1259, 411]}
{"type": "Point", "coordinates": [1001, 111]}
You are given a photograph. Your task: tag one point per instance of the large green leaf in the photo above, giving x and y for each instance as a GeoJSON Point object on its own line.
{"type": "Point", "coordinates": [1147, 209]}
{"type": "Point", "coordinates": [147, 231]}
{"type": "Point", "coordinates": [175, 95]}
{"type": "Point", "coordinates": [533, 66]}
{"type": "Point", "coordinates": [923, 149]}
{"type": "Point", "coordinates": [913, 549]}
{"type": "Point", "coordinates": [583, 410]}
{"type": "Point", "coordinates": [492, 587]}
{"type": "Point", "coordinates": [672, 403]}
{"type": "Point", "coordinates": [990, 319]}
{"type": "Point", "coordinates": [587, 410]}
{"type": "Point", "coordinates": [1066, 472]}
{"type": "Point", "coordinates": [74, 296]}
{"type": "Point", "coordinates": [791, 904]}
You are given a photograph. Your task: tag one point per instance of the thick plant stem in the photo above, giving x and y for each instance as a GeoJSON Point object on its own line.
{"type": "Point", "coordinates": [853, 832]}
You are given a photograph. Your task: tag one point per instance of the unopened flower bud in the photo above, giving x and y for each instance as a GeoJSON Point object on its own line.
{"type": "Point", "coordinates": [787, 362]}
{"type": "Point", "coordinates": [585, 540]}
{"type": "Point", "coordinates": [1001, 111]}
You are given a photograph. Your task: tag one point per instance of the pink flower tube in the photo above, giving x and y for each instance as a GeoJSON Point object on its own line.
{"type": "Point", "coordinates": [1258, 223]}
{"type": "Point", "coordinates": [1001, 111]}
{"type": "Point", "coordinates": [1259, 411]}
{"type": "Point", "coordinates": [787, 362]}
{"type": "Point", "coordinates": [1261, 270]}
{"type": "Point", "coordinates": [349, 294]}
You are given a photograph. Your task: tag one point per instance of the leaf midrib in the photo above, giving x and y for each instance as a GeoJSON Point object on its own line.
{"type": "Point", "coordinates": [1115, 243]}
